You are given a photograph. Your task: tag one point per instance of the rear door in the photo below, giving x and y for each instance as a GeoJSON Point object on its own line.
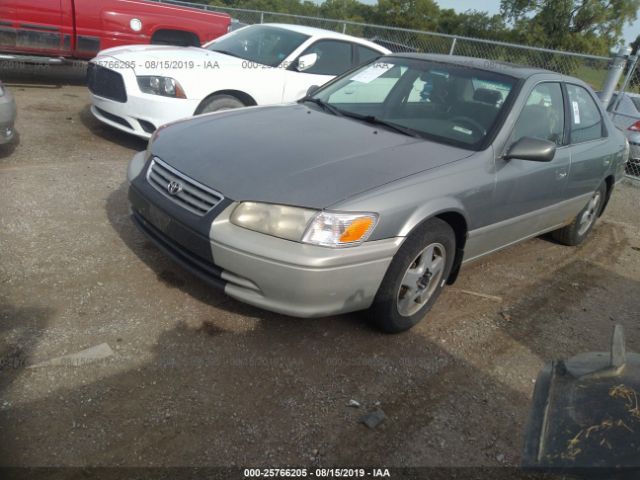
{"type": "Point", "coordinates": [590, 153]}
{"type": "Point", "coordinates": [33, 26]}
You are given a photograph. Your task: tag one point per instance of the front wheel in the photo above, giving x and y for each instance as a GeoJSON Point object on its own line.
{"type": "Point", "coordinates": [217, 103]}
{"type": "Point", "coordinates": [415, 277]}
{"type": "Point", "coordinates": [575, 233]}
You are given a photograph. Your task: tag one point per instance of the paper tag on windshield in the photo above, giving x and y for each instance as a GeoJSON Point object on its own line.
{"type": "Point", "coordinates": [576, 112]}
{"type": "Point", "coordinates": [371, 73]}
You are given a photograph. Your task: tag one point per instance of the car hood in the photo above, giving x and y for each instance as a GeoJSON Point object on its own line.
{"type": "Point", "coordinates": [294, 155]}
{"type": "Point", "coordinates": [151, 59]}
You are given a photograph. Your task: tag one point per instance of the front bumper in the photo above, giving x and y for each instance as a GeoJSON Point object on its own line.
{"type": "Point", "coordinates": [271, 273]}
{"type": "Point", "coordinates": [141, 113]}
{"type": "Point", "coordinates": [8, 112]}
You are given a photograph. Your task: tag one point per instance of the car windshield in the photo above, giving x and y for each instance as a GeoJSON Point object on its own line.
{"type": "Point", "coordinates": [442, 102]}
{"type": "Point", "coordinates": [261, 44]}
{"type": "Point", "coordinates": [636, 102]}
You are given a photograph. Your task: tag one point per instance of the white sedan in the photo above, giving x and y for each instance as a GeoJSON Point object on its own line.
{"type": "Point", "coordinates": [140, 87]}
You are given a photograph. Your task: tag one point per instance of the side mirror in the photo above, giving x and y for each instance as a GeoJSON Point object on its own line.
{"type": "Point", "coordinates": [312, 89]}
{"type": "Point", "coordinates": [305, 62]}
{"type": "Point", "coordinates": [533, 149]}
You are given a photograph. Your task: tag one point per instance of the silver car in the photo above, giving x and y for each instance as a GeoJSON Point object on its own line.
{"type": "Point", "coordinates": [7, 115]}
{"type": "Point", "coordinates": [625, 113]}
{"type": "Point", "coordinates": [371, 192]}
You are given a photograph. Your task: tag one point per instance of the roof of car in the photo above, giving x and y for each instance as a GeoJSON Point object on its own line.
{"type": "Point", "coordinates": [506, 68]}
{"type": "Point", "coordinates": [321, 32]}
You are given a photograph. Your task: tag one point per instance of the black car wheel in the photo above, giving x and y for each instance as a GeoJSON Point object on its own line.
{"type": "Point", "coordinates": [415, 277]}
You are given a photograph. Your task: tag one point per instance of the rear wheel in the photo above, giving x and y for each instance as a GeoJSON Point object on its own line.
{"type": "Point", "coordinates": [415, 277]}
{"type": "Point", "coordinates": [217, 103]}
{"type": "Point", "coordinates": [575, 233]}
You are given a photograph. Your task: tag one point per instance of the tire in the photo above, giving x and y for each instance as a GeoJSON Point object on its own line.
{"type": "Point", "coordinates": [397, 307]}
{"type": "Point", "coordinates": [217, 103]}
{"type": "Point", "coordinates": [575, 233]}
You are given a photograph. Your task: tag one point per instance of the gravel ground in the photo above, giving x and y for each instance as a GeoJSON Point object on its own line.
{"type": "Point", "coordinates": [196, 378]}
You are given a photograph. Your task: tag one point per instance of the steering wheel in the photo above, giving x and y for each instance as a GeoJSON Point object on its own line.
{"type": "Point", "coordinates": [470, 122]}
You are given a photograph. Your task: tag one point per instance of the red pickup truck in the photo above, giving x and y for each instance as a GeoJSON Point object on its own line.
{"type": "Point", "coordinates": [80, 28]}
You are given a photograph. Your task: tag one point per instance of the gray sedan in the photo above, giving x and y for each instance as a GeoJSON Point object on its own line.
{"type": "Point", "coordinates": [625, 113]}
{"type": "Point", "coordinates": [371, 192]}
{"type": "Point", "coordinates": [7, 115]}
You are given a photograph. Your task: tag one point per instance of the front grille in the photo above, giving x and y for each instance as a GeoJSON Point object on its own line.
{"type": "Point", "coordinates": [191, 195]}
{"type": "Point", "coordinates": [106, 83]}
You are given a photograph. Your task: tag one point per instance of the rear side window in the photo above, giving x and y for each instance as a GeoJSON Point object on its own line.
{"type": "Point", "coordinates": [334, 57]}
{"type": "Point", "coordinates": [542, 116]}
{"type": "Point", "coordinates": [586, 121]}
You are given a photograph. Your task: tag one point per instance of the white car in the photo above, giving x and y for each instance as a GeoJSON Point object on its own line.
{"type": "Point", "coordinates": [140, 87]}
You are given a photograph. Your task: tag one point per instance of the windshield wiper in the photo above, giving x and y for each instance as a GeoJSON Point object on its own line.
{"type": "Point", "coordinates": [324, 105]}
{"type": "Point", "coordinates": [390, 125]}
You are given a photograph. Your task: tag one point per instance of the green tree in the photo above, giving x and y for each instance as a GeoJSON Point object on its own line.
{"type": "Point", "coordinates": [346, 10]}
{"type": "Point", "coordinates": [635, 45]}
{"type": "Point", "coordinates": [417, 14]}
{"type": "Point", "coordinates": [593, 26]}
{"type": "Point", "coordinates": [473, 23]}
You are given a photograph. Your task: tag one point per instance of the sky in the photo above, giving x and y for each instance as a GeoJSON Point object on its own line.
{"type": "Point", "coordinates": [493, 6]}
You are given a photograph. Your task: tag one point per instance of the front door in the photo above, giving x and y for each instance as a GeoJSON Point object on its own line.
{"type": "Point", "coordinates": [334, 57]}
{"type": "Point", "coordinates": [528, 193]}
{"type": "Point", "coordinates": [34, 26]}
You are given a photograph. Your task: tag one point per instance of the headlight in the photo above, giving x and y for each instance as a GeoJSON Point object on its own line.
{"type": "Point", "coordinates": [327, 229]}
{"type": "Point", "coordinates": [333, 229]}
{"type": "Point", "coordinates": [165, 86]}
{"type": "Point", "coordinates": [277, 220]}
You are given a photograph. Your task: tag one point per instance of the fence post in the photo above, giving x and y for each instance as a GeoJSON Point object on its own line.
{"type": "Point", "coordinates": [261, 17]}
{"type": "Point", "coordinates": [633, 63]}
{"type": "Point", "coordinates": [613, 77]}
{"type": "Point", "coordinates": [344, 28]}
{"type": "Point", "coordinates": [453, 45]}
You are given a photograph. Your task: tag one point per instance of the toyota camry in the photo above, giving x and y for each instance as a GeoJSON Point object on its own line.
{"type": "Point", "coordinates": [372, 192]}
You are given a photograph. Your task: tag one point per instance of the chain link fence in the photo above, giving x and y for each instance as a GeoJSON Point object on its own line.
{"type": "Point", "coordinates": [625, 109]}
{"type": "Point", "coordinates": [590, 68]}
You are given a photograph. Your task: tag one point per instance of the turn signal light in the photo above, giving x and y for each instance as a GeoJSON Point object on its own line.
{"type": "Point", "coordinates": [356, 230]}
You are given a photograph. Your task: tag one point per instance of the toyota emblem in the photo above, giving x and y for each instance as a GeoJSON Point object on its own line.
{"type": "Point", "coordinates": [174, 188]}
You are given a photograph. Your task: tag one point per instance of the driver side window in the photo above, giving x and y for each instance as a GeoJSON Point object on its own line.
{"type": "Point", "coordinates": [542, 116]}
{"type": "Point", "coordinates": [334, 57]}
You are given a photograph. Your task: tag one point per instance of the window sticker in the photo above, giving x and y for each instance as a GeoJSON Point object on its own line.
{"type": "Point", "coordinates": [371, 73]}
{"type": "Point", "coordinates": [576, 112]}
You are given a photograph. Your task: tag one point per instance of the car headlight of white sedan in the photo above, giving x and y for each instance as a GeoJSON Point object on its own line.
{"type": "Point", "coordinates": [165, 86]}
{"type": "Point", "coordinates": [324, 228]}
